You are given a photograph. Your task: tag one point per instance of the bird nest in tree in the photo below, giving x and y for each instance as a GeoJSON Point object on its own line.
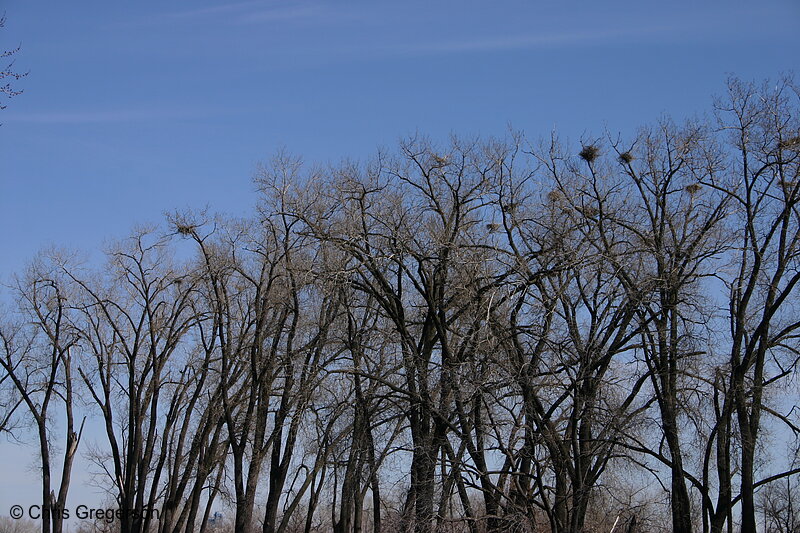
{"type": "Point", "coordinates": [693, 188]}
{"type": "Point", "coordinates": [589, 153]}
{"type": "Point", "coordinates": [625, 157]}
{"type": "Point", "coordinates": [185, 229]}
{"type": "Point", "coordinates": [792, 143]}
{"type": "Point", "coordinates": [554, 196]}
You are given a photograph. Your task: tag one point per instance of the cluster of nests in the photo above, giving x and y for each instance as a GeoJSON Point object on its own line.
{"type": "Point", "coordinates": [590, 152]}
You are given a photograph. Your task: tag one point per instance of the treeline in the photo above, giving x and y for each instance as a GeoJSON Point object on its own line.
{"type": "Point", "coordinates": [492, 335]}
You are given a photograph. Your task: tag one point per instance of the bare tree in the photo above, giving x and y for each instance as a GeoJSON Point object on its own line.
{"type": "Point", "coordinates": [37, 357]}
{"type": "Point", "coordinates": [138, 374]}
{"type": "Point", "coordinates": [7, 73]}
{"type": "Point", "coordinates": [763, 128]}
{"type": "Point", "coordinates": [779, 506]}
{"type": "Point", "coordinates": [676, 226]}
{"type": "Point", "coordinates": [410, 230]}
{"type": "Point", "coordinates": [566, 319]}
{"type": "Point", "coordinates": [9, 525]}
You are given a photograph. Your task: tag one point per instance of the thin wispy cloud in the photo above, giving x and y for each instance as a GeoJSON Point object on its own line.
{"type": "Point", "coordinates": [394, 45]}
{"type": "Point", "coordinates": [108, 116]}
{"type": "Point", "coordinates": [545, 39]}
{"type": "Point", "coordinates": [257, 11]}
{"type": "Point", "coordinates": [226, 9]}
{"type": "Point", "coordinates": [509, 42]}
{"type": "Point", "coordinates": [308, 11]}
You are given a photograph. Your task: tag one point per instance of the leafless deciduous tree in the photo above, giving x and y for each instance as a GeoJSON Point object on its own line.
{"type": "Point", "coordinates": [7, 73]}
{"type": "Point", "coordinates": [764, 186]}
{"type": "Point", "coordinates": [137, 373]}
{"type": "Point", "coordinates": [37, 357]}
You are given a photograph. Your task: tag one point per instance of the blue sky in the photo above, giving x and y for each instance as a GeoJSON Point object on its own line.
{"type": "Point", "coordinates": [132, 110]}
